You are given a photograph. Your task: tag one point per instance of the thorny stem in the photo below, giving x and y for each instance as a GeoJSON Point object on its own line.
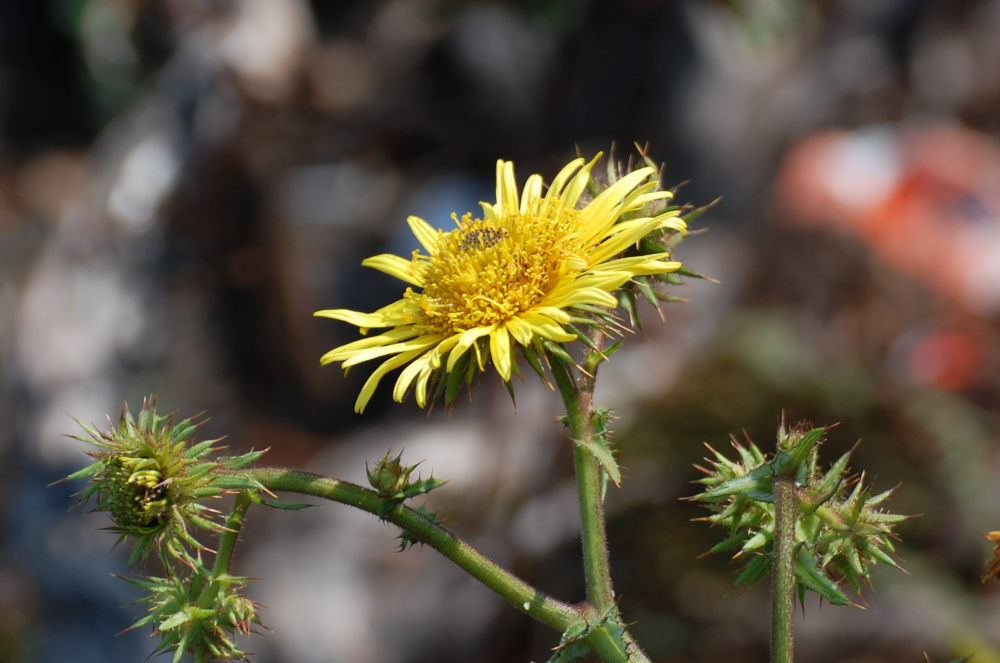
{"type": "Point", "coordinates": [523, 596]}
{"type": "Point", "coordinates": [783, 570]}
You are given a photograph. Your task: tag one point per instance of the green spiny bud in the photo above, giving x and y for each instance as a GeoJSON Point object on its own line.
{"type": "Point", "coordinates": [389, 476]}
{"type": "Point", "coordinates": [197, 612]}
{"type": "Point", "coordinates": [391, 480]}
{"type": "Point", "coordinates": [150, 476]}
{"type": "Point", "coordinates": [840, 530]}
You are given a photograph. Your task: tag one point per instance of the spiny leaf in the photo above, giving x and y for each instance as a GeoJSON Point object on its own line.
{"type": "Point", "coordinates": [757, 485]}
{"type": "Point", "coordinates": [281, 504]}
{"type": "Point", "coordinates": [602, 454]}
{"type": "Point", "coordinates": [812, 578]}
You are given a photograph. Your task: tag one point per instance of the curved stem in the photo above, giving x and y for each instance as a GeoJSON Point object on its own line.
{"type": "Point", "coordinates": [579, 410]}
{"type": "Point", "coordinates": [525, 597]}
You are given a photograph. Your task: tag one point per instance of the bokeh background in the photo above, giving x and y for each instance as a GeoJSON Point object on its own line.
{"type": "Point", "coordinates": [183, 182]}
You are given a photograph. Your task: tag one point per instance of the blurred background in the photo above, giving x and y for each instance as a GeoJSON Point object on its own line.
{"type": "Point", "coordinates": [183, 182]}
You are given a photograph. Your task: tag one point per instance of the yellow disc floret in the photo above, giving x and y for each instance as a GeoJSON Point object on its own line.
{"type": "Point", "coordinates": [484, 272]}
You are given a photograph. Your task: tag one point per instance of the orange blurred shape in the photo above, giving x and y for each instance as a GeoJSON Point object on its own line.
{"type": "Point", "coordinates": [925, 198]}
{"type": "Point", "coordinates": [946, 360]}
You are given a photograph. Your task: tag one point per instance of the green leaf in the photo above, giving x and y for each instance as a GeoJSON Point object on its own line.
{"type": "Point", "coordinates": [595, 358]}
{"type": "Point", "coordinates": [788, 461]}
{"type": "Point", "coordinates": [626, 301]}
{"type": "Point", "coordinates": [755, 571]}
{"type": "Point", "coordinates": [602, 454]}
{"type": "Point", "coordinates": [241, 461]}
{"type": "Point", "coordinates": [455, 379]}
{"type": "Point", "coordinates": [698, 211]}
{"type": "Point", "coordinates": [422, 486]}
{"type": "Point", "coordinates": [85, 472]}
{"type": "Point", "coordinates": [811, 577]}
{"type": "Point", "coordinates": [236, 482]}
{"type": "Point", "coordinates": [281, 504]}
{"type": "Point", "coordinates": [557, 350]}
{"type": "Point", "coordinates": [531, 354]}
{"type": "Point", "coordinates": [831, 480]}
{"type": "Point", "coordinates": [200, 449]}
{"type": "Point", "coordinates": [757, 485]}
{"type": "Point", "coordinates": [406, 539]}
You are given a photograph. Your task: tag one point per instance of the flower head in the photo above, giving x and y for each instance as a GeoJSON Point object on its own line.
{"type": "Point", "coordinates": [518, 275]}
{"type": "Point", "coordinates": [151, 477]}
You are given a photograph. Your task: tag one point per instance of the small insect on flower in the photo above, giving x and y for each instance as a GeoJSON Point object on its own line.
{"type": "Point", "coordinates": [515, 277]}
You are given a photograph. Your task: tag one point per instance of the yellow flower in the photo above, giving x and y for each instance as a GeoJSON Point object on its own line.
{"type": "Point", "coordinates": [515, 275]}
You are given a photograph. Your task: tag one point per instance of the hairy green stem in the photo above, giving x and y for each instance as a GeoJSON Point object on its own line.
{"type": "Point", "coordinates": [589, 482]}
{"type": "Point", "coordinates": [227, 544]}
{"type": "Point", "coordinates": [227, 541]}
{"type": "Point", "coordinates": [578, 401]}
{"type": "Point", "coordinates": [522, 595]}
{"type": "Point", "coordinates": [783, 570]}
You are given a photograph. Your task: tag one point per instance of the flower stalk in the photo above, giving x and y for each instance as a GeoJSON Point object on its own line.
{"type": "Point", "coordinates": [227, 540]}
{"type": "Point", "coordinates": [589, 482]}
{"type": "Point", "coordinates": [783, 569]}
{"type": "Point", "coordinates": [415, 524]}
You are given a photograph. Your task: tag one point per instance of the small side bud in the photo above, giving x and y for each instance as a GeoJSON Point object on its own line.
{"type": "Point", "coordinates": [389, 476]}
{"type": "Point", "coordinates": [391, 480]}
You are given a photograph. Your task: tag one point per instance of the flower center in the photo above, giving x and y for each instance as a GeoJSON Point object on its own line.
{"type": "Point", "coordinates": [486, 272]}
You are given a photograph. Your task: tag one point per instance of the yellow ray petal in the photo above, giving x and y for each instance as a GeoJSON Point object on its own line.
{"type": "Point", "coordinates": [424, 378]}
{"type": "Point", "coordinates": [389, 316]}
{"type": "Point", "coordinates": [421, 370]}
{"type": "Point", "coordinates": [559, 181]}
{"type": "Point", "coordinates": [647, 198]}
{"type": "Point", "coordinates": [593, 296]}
{"type": "Point", "coordinates": [654, 263]}
{"type": "Point", "coordinates": [500, 352]}
{"type": "Point", "coordinates": [406, 377]}
{"type": "Point", "coordinates": [599, 215]}
{"type": "Point", "coordinates": [394, 265]}
{"type": "Point", "coordinates": [421, 343]}
{"type": "Point", "coordinates": [532, 193]}
{"type": "Point", "coordinates": [551, 312]}
{"type": "Point", "coordinates": [465, 341]}
{"type": "Point", "coordinates": [369, 387]}
{"type": "Point", "coordinates": [545, 326]}
{"type": "Point", "coordinates": [426, 234]}
{"type": "Point", "coordinates": [349, 350]}
{"type": "Point", "coordinates": [506, 187]}
{"type": "Point", "coordinates": [519, 329]}
{"type": "Point", "coordinates": [625, 235]}
{"type": "Point", "coordinates": [578, 184]}
{"type": "Point", "coordinates": [601, 279]}
{"type": "Point", "coordinates": [489, 211]}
